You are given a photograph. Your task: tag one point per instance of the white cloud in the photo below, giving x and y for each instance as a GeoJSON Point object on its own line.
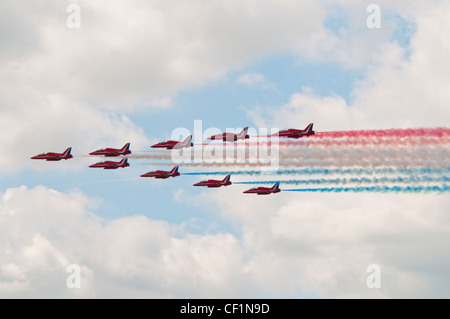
{"type": "Point", "coordinates": [139, 53]}
{"type": "Point", "coordinates": [44, 231]}
{"type": "Point", "coordinates": [411, 92]}
{"type": "Point", "coordinates": [320, 245]}
{"type": "Point", "coordinates": [398, 91]}
{"type": "Point", "coordinates": [254, 80]}
{"type": "Point", "coordinates": [51, 123]}
{"type": "Point", "coordinates": [327, 113]}
{"type": "Point", "coordinates": [292, 245]}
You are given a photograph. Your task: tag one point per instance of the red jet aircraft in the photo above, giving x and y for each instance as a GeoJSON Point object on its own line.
{"type": "Point", "coordinates": [294, 133]}
{"type": "Point", "coordinates": [175, 144]}
{"type": "Point", "coordinates": [113, 151]}
{"type": "Point", "coordinates": [111, 164]}
{"type": "Point", "coordinates": [230, 137]}
{"type": "Point", "coordinates": [215, 183]}
{"type": "Point", "coordinates": [54, 156]}
{"type": "Point", "coordinates": [264, 190]}
{"type": "Point", "coordinates": [163, 174]}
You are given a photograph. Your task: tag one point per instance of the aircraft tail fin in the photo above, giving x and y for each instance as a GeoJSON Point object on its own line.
{"type": "Point", "coordinates": [227, 178]}
{"type": "Point", "coordinates": [308, 128]}
{"type": "Point", "coordinates": [276, 185]}
{"type": "Point", "coordinates": [188, 140]}
{"type": "Point", "coordinates": [174, 170]}
{"type": "Point", "coordinates": [67, 151]}
{"type": "Point", "coordinates": [126, 147]}
{"type": "Point", "coordinates": [243, 132]}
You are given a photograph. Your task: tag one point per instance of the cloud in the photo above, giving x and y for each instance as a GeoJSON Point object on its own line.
{"type": "Point", "coordinates": [348, 41]}
{"type": "Point", "coordinates": [254, 80]}
{"type": "Point", "coordinates": [44, 231]}
{"type": "Point", "coordinates": [328, 113]}
{"type": "Point", "coordinates": [140, 54]}
{"type": "Point", "coordinates": [399, 90]}
{"type": "Point", "coordinates": [411, 91]}
{"type": "Point", "coordinates": [319, 245]}
{"type": "Point", "coordinates": [291, 245]}
{"type": "Point", "coordinates": [51, 123]}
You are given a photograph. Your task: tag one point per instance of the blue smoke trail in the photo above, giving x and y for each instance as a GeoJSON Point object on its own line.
{"type": "Point", "coordinates": [378, 189]}
{"type": "Point", "coordinates": [331, 171]}
{"type": "Point", "coordinates": [411, 179]}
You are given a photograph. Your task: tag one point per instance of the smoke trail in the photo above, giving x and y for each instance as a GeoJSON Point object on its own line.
{"type": "Point", "coordinates": [423, 156]}
{"type": "Point", "coordinates": [377, 189]}
{"type": "Point", "coordinates": [152, 155]}
{"type": "Point", "coordinates": [369, 148]}
{"type": "Point", "coordinates": [334, 156]}
{"type": "Point", "coordinates": [395, 132]}
{"type": "Point", "coordinates": [437, 132]}
{"type": "Point", "coordinates": [403, 148]}
{"type": "Point", "coordinates": [348, 152]}
{"type": "Point", "coordinates": [364, 180]}
{"type": "Point", "coordinates": [402, 162]}
{"type": "Point", "coordinates": [393, 137]}
{"type": "Point", "coordinates": [331, 151]}
{"type": "Point", "coordinates": [335, 171]}
{"type": "Point", "coordinates": [405, 141]}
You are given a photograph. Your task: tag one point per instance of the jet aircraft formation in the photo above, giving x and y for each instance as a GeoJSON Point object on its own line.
{"type": "Point", "coordinates": [160, 174]}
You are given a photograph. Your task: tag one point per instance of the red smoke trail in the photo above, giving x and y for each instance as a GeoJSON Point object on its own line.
{"type": "Point", "coordinates": [406, 141]}
{"type": "Point", "coordinates": [437, 132]}
{"type": "Point", "coordinates": [404, 137]}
